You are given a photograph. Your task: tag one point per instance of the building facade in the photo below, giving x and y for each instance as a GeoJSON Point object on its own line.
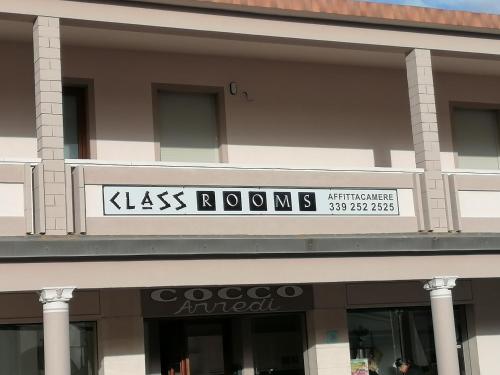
{"type": "Point", "coordinates": [198, 187]}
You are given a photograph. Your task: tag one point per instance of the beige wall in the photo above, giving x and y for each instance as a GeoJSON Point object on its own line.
{"type": "Point", "coordinates": [154, 273]}
{"type": "Point", "coordinates": [121, 333]}
{"type": "Point", "coordinates": [17, 101]}
{"type": "Point", "coordinates": [301, 115]}
{"type": "Point", "coordinates": [305, 115]}
{"type": "Point", "coordinates": [328, 332]}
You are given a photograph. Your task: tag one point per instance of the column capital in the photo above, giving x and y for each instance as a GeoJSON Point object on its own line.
{"type": "Point", "coordinates": [56, 294]}
{"type": "Point", "coordinates": [441, 282]}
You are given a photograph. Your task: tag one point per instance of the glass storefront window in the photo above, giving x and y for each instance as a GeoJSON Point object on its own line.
{"type": "Point", "coordinates": [383, 335]}
{"type": "Point", "coordinates": [21, 349]}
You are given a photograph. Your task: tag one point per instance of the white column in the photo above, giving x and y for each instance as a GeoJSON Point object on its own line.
{"type": "Point", "coordinates": [56, 329]}
{"type": "Point", "coordinates": [443, 321]}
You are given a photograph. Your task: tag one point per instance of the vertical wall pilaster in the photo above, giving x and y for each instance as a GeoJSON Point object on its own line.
{"type": "Point", "coordinates": [328, 334]}
{"type": "Point", "coordinates": [49, 120]}
{"type": "Point", "coordinates": [426, 138]}
{"type": "Point", "coordinates": [121, 333]}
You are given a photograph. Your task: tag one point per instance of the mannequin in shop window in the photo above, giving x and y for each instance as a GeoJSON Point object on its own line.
{"type": "Point", "coordinates": [373, 361]}
{"type": "Point", "coordinates": [405, 366]}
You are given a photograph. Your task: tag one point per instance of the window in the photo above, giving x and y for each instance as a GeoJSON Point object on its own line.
{"type": "Point", "coordinates": [380, 336]}
{"type": "Point", "coordinates": [21, 350]}
{"type": "Point", "coordinates": [187, 126]}
{"type": "Point", "coordinates": [75, 122]}
{"type": "Point", "coordinates": [476, 138]}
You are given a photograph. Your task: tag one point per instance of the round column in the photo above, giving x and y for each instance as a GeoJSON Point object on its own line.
{"type": "Point", "coordinates": [56, 329]}
{"type": "Point", "coordinates": [443, 321]}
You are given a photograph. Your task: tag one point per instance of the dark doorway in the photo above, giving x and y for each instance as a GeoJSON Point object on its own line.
{"type": "Point", "coordinates": [227, 345]}
{"type": "Point", "coordinates": [196, 347]}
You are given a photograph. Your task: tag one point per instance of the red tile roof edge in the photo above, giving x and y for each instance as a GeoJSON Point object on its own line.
{"type": "Point", "coordinates": [369, 11]}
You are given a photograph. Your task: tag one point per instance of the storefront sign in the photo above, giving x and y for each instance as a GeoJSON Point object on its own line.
{"type": "Point", "coordinates": [226, 300]}
{"type": "Point", "coordinates": [175, 200]}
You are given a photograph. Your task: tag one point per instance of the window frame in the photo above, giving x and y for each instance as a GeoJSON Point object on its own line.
{"type": "Point", "coordinates": [220, 113]}
{"type": "Point", "coordinates": [471, 106]}
{"type": "Point", "coordinates": [87, 132]}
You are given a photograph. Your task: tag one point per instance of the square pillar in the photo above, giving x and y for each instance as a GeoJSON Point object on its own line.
{"type": "Point", "coordinates": [426, 138]}
{"type": "Point", "coordinates": [328, 333]}
{"type": "Point", "coordinates": [49, 121]}
{"type": "Point", "coordinates": [121, 333]}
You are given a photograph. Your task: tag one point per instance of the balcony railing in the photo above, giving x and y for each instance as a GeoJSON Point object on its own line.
{"type": "Point", "coordinates": [17, 196]}
{"type": "Point", "coordinates": [474, 200]}
{"type": "Point", "coordinates": [113, 198]}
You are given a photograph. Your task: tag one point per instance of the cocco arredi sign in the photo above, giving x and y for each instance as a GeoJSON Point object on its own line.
{"type": "Point", "coordinates": [226, 300]}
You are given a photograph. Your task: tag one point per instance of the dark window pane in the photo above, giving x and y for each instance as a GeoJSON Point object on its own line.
{"type": "Point", "coordinates": [22, 349]}
{"type": "Point", "coordinates": [277, 345]}
{"type": "Point", "coordinates": [75, 122]}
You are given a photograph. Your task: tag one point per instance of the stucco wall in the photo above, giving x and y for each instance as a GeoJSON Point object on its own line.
{"type": "Point", "coordinates": [298, 114]}
{"type": "Point", "coordinates": [17, 101]}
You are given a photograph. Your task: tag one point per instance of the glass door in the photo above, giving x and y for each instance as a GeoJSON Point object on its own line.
{"type": "Point", "coordinates": [205, 348]}
{"type": "Point", "coordinates": [195, 347]}
{"type": "Point", "coordinates": [278, 345]}
{"type": "Point", "coordinates": [173, 348]}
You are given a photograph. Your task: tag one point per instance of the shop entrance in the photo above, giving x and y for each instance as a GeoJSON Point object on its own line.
{"type": "Point", "coordinates": [234, 345]}
{"type": "Point", "coordinates": [195, 347]}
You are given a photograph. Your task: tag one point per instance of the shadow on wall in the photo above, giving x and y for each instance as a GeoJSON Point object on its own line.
{"type": "Point", "coordinates": [17, 98]}
{"type": "Point", "coordinates": [296, 109]}
{"type": "Point", "coordinates": [343, 115]}
{"type": "Point", "coordinates": [487, 308]}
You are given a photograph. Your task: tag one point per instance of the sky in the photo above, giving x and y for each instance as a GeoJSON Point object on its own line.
{"type": "Point", "coordinates": [485, 6]}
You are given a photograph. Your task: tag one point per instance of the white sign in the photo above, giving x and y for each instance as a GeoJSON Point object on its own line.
{"type": "Point", "coordinates": [178, 200]}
